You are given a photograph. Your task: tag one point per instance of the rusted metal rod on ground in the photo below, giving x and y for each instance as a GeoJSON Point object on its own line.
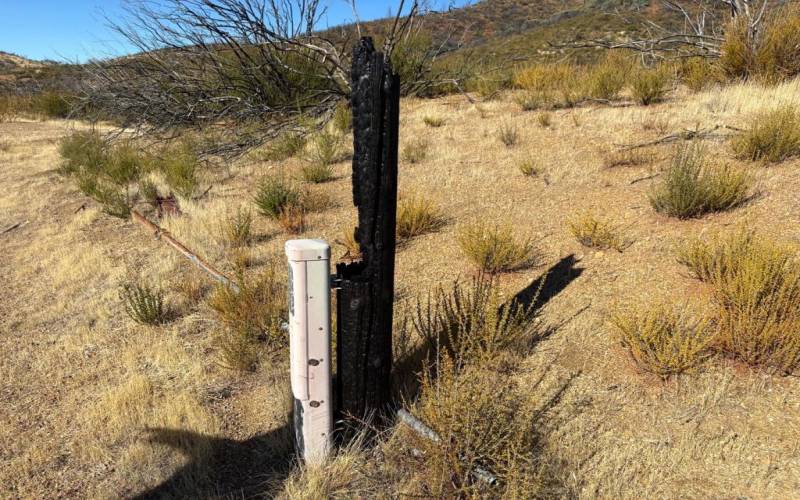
{"type": "Point", "coordinates": [162, 234]}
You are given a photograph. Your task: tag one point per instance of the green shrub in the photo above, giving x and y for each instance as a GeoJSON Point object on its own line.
{"type": "Point", "coordinates": [416, 216]}
{"type": "Point", "coordinates": [179, 164]}
{"type": "Point", "coordinates": [237, 229]}
{"type": "Point", "coordinates": [326, 148]}
{"type": "Point", "coordinates": [125, 163]}
{"type": "Point", "coordinates": [257, 309]}
{"type": "Point", "coordinates": [274, 195]}
{"type": "Point", "coordinates": [51, 104]}
{"type": "Point", "coordinates": [662, 339]}
{"type": "Point", "coordinates": [495, 249]}
{"type": "Point", "coordinates": [343, 118]}
{"type": "Point", "coordinates": [650, 85]}
{"type": "Point", "coordinates": [691, 188]}
{"type": "Point", "coordinates": [774, 136]}
{"type": "Point", "coordinates": [149, 192]}
{"type": "Point", "coordinates": [82, 150]}
{"type": "Point", "coordinates": [756, 287]}
{"type": "Point", "coordinates": [607, 78]}
{"type": "Point", "coordinates": [316, 173]}
{"type": "Point", "coordinates": [737, 51]}
{"type": "Point", "coordinates": [698, 73]}
{"type": "Point", "coordinates": [143, 303]}
{"type": "Point", "coordinates": [778, 55]}
{"type": "Point", "coordinates": [530, 100]}
{"type": "Point", "coordinates": [284, 147]}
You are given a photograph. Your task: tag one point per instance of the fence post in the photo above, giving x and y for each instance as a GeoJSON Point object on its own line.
{"type": "Point", "coordinates": [366, 288]}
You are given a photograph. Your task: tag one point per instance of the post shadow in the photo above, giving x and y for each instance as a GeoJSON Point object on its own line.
{"type": "Point", "coordinates": [531, 298]}
{"type": "Point", "coordinates": [245, 469]}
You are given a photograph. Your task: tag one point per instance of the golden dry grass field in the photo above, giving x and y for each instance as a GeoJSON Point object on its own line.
{"type": "Point", "coordinates": [93, 405]}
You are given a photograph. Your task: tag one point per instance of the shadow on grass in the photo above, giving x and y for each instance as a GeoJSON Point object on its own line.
{"type": "Point", "coordinates": [219, 467]}
{"type": "Point", "coordinates": [533, 297]}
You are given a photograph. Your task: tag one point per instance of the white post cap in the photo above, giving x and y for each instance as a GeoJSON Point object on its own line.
{"type": "Point", "coordinates": [305, 250]}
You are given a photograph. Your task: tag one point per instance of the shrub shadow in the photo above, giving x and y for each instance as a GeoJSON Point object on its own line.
{"type": "Point", "coordinates": [219, 467]}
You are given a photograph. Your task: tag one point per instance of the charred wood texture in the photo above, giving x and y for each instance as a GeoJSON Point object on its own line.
{"type": "Point", "coordinates": [366, 293]}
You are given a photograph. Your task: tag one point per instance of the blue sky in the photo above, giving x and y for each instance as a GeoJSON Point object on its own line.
{"type": "Point", "coordinates": [75, 30]}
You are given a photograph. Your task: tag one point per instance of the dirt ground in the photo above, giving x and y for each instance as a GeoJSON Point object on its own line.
{"type": "Point", "coordinates": [92, 405]}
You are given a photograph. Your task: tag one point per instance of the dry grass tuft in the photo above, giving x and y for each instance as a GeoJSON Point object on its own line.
{"type": "Point", "coordinates": [352, 250]}
{"type": "Point", "coordinates": [663, 340]}
{"type": "Point", "coordinates": [433, 121]}
{"type": "Point", "coordinates": [531, 168]}
{"type": "Point", "coordinates": [415, 151]}
{"type": "Point", "coordinates": [257, 310]}
{"type": "Point", "coordinates": [237, 228]}
{"type": "Point", "coordinates": [691, 187]}
{"type": "Point", "coordinates": [144, 304]}
{"type": "Point", "coordinates": [593, 232]}
{"type": "Point", "coordinates": [508, 134]}
{"type": "Point", "coordinates": [417, 215]}
{"type": "Point", "coordinates": [316, 173]}
{"type": "Point", "coordinates": [756, 286]}
{"type": "Point", "coordinates": [292, 219]}
{"type": "Point", "coordinates": [496, 249]}
{"type": "Point", "coordinates": [544, 119]}
{"type": "Point", "coordinates": [774, 137]}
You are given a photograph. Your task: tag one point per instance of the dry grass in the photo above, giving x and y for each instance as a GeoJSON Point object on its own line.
{"type": "Point", "coordinates": [433, 121]}
{"type": "Point", "coordinates": [531, 168]}
{"type": "Point", "coordinates": [496, 249]}
{"type": "Point", "coordinates": [544, 119]}
{"type": "Point", "coordinates": [508, 133]}
{"type": "Point", "coordinates": [774, 137]}
{"type": "Point", "coordinates": [662, 339]}
{"type": "Point", "coordinates": [237, 229]}
{"type": "Point", "coordinates": [595, 232]}
{"type": "Point", "coordinates": [415, 150]}
{"type": "Point", "coordinates": [81, 381]}
{"type": "Point", "coordinates": [691, 187]}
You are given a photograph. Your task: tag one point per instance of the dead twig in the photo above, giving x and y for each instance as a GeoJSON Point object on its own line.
{"type": "Point", "coordinates": [685, 135]}
{"type": "Point", "coordinates": [11, 228]}
{"type": "Point", "coordinates": [203, 194]}
{"type": "Point", "coordinates": [646, 178]}
{"type": "Point", "coordinates": [161, 234]}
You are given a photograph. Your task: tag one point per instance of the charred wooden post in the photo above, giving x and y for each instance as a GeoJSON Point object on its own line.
{"type": "Point", "coordinates": [366, 288]}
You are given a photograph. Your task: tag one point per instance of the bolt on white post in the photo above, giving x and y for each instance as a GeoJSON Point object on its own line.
{"type": "Point", "coordinates": [310, 346]}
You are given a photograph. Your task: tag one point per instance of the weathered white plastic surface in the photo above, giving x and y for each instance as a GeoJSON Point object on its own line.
{"type": "Point", "coordinates": [310, 346]}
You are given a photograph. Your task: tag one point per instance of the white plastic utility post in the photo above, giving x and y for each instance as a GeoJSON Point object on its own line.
{"type": "Point", "coordinates": [310, 346]}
